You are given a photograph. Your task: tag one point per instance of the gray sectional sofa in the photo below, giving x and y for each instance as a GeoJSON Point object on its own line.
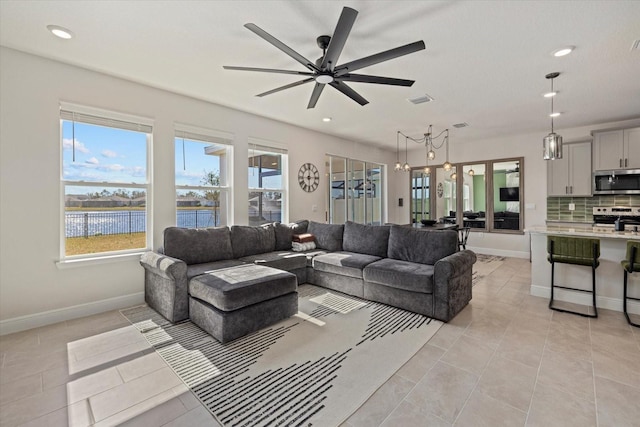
{"type": "Point", "coordinates": [417, 270]}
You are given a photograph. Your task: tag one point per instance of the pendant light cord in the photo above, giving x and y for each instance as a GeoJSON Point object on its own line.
{"type": "Point", "coordinates": [552, 106]}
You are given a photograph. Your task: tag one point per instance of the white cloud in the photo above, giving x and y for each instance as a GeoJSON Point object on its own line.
{"type": "Point", "coordinates": [92, 161]}
{"type": "Point", "coordinates": [109, 154]}
{"type": "Point", "coordinates": [67, 144]}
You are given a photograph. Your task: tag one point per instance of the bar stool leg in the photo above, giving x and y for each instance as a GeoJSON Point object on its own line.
{"type": "Point", "coordinates": [624, 301]}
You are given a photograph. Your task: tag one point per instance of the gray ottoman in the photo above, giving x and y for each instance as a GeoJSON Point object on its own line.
{"type": "Point", "coordinates": [236, 301]}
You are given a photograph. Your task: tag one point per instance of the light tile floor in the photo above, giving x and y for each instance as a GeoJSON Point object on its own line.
{"type": "Point", "coordinates": [505, 360]}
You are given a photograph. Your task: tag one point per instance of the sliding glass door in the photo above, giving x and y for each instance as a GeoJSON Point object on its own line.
{"type": "Point", "coordinates": [355, 191]}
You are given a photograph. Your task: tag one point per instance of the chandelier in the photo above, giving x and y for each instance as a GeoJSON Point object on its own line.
{"type": "Point", "coordinates": [431, 144]}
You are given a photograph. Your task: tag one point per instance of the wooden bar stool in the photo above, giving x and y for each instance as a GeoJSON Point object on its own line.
{"type": "Point", "coordinates": [630, 264]}
{"type": "Point", "coordinates": [576, 251]}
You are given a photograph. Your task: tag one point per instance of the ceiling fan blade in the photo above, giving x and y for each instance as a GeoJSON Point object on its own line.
{"type": "Point", "coordinates": [362, 78]}
{"type": "Point", "coordinates": [317, 90]}
{"type": "Point", "coordinates": [349, 92]}
{"type": "Point", "coordinates": [339, 38]}
{"type": "Point", "coordinates": [290, 85]}
{"type": "Point", "coordinates": [283, 47]}
{"type": "Point", "coordinates": [267, 70]}
{"type": "Point", "coordinates": [379, 57]}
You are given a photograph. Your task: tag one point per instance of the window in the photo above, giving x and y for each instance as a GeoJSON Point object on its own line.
{"type": "Point", "coordinates": [267, 184]}
{"type": "Point", "coordinates": [202, 178]}
{"type": "Point", "coordinates": [485, 196]}
{"type": "Point", "coordinates": [474, 195]}
{"type": "Point", "coordinates": [105, 182]}
{"type": "Point", "coordinates": [356, 191]}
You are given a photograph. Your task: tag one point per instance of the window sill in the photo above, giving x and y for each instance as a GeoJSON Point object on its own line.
{"type": "Point", "coordinates": [96, 260]}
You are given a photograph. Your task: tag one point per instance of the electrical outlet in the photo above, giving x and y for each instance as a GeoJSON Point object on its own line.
{"type": "Point", "coordinates": [572, 206]}
{"type": "Point", "coordinates": [314, 208]}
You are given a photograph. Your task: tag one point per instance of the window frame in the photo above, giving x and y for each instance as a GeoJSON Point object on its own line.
{"type": "Point", "coordinates": [489, 208]}
{"type": "Point", "coordinates": [105, 118]}
{"type": "Point", "coordinates": [270, 147]}
{"type": "Point", "coordinates": [208, 136]}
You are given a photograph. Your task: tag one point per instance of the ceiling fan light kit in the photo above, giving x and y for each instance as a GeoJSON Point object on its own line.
{"type": "Point", "coordinates": [326, 71]}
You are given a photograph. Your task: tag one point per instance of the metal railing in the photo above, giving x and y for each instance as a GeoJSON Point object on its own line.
{"type": "Point", "coordinates": [98, 223]}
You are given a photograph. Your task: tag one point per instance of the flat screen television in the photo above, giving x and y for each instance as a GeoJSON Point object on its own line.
{"type": "Point", "coordinates": [509, 194]}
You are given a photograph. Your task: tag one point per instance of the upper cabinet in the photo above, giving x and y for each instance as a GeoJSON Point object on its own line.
{"type": "Point", "coordinates": [570, 175]}
{"type": "Point", "coordinates": [616, 149]}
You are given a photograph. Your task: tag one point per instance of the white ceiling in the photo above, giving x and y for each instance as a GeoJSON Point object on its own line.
{"type": "Point", "coordinates": [484, 62]}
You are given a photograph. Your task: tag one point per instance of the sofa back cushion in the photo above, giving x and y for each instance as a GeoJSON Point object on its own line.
{"type": "Point", "coordinates": [198, 245]}
{"type": "Point", "coordinates": [328, 236]}
{"type": "Point", "coordinates": [285, 232]}
{"type": "Point", "coordinates": [366, 239]}
{"type": "Point", "coordinates": [424, 247]}
{"type": "Point", "coordinates": [252, 240]}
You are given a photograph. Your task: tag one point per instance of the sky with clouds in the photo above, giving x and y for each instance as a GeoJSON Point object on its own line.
{"type": "Point", "coordinates": [104, 154]}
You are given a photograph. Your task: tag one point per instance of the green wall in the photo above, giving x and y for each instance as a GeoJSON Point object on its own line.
{"type": "Point", "coordinates": [499, 180]}
{"type": "Point", "coordinates": [479, 194]}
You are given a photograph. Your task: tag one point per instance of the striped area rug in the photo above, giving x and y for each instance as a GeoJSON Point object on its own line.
{"type": "Point", "coordinates": [314, 369]}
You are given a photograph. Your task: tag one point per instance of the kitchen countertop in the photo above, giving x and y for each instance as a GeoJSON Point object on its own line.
{"type": "Point", "coordinates": [586, 231]}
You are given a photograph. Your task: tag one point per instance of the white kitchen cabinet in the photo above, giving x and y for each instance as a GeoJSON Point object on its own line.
{"type": "Point", "coordinates": [616, 149]}
{"type": "Point", "coordinates": [571, 175]}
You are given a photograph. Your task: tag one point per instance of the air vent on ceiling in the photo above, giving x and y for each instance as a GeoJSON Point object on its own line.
{"type": "Point", "coordinates": [461, 125]}
{"type": "Point", "coordinates": [420, 99]}
{"type": "Point", "coordinates": [635, 45]}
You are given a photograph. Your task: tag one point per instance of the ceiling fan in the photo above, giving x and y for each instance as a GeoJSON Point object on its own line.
{"type": "Point", "coordinates": [325, 70]}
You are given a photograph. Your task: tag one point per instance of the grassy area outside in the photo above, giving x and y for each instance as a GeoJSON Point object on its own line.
{"type": "Point", "coordinates": [104, 243]}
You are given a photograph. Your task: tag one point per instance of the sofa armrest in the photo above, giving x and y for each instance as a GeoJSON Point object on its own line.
{"type": "Point", "coordinates": [163, 265]}
{"type": "Point", "coordinates": [165, 285]}
{"type": "Point", "coordinates": [452, 282]}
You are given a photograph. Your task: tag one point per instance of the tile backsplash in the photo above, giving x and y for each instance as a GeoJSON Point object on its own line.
{"type": "Point", "coordinates": [558, 207]}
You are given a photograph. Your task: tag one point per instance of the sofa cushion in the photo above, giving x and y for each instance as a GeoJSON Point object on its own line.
{"type": "Point", "coordinates": [233, 288]}
{"type": "Point", "coordinates": [328, 236]}
{"type": "Point", "coordinates": [343, 263]}
{"type": "Point", "coordinates": [194, 270]}
{"type": "Point", "coordinates": [284, 260]}
{"type": "Point", "coordinates": [366, 239]}
{"type": "Point", "coordinates": [284, 233]}
{"type": "Point", "coordinates": [251, 240]}
{"type": "Point", "coordinates": [417, 245]}
{"type": "Point", "coordinates": [198, 245]}
{"type": "Point", "coordinates": [409, 276]}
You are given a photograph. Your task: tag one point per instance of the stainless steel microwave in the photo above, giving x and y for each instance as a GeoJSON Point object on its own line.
{"type": "Point", "coordinates": [623, 181]}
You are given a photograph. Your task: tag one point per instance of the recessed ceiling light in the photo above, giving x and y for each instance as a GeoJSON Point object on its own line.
{"type": "Point", "coordinates": [326, 119]}
{"type": "Point", "coordinates": [554, 114]}
{"type": "Point", "coordinates": [59, 31]}
{"type": "Point", "coordinates": [563, 51]}
{"type": "Point", "coordinates": [550, 94]}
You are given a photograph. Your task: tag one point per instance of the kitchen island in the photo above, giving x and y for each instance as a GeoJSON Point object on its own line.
{"type": "Point", "coordinates": [609, 275]}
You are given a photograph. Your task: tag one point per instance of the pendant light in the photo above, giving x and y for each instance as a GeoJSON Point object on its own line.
{"type": "Point", "coordinates": [427, 169]}
{"type": "Point", "coordinates": [552, 143]}
{"type": "Point", "coordinates": [398, 166]}
{"type": "Point", "coordinates": [471, 172]}
{"type": "Point", "coordinates": [447, 165]}
{"type": "Point", "coordinates": [406, 166]}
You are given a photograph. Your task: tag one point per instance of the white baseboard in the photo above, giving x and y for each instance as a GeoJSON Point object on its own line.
{"type": "Point", "coordinates": [499, 252]}
{"type": "Point", "coordinates": [608, 303]}
{"type": "Point", "coordinates": [30, 321]}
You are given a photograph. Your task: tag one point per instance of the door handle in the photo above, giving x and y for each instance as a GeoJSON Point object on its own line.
{"type": "Point", "coordinates": [620, 162]}
{"type": "Point", "coordinates": [626, 163]}
{"type": "Point", "coordinates": [571, 189]}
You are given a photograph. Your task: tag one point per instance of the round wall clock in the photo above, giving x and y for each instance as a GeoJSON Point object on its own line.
{"type": "Point", "coordinates": [308, 177]}
{"type": "Point", "coordinates": [440, 189]}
